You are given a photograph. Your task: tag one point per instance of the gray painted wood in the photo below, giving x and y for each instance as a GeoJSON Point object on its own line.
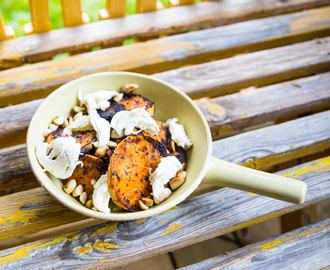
{"type": "Point", "coordinates": [35, 48]}
{"type": "Point", "coordinates": [240, 110]}
{"type": "Point", "coordinates": [256, 149]}
{"type": "Point", "coordinates": [37, 81]}
{"type": "Point", "coordinates": [306, 248]}
{"type": "Point", "coordinates": [118, 243]}
{"type": "Point", "coordinates": [277, 143]}
{"type": "Point", "coordinates": [254, 69]}
{"type": "Point", "coordinates": [256, 106]}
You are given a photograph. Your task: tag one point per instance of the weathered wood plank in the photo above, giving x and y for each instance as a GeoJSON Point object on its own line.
{"type": "Point", "coordinates": [24, 208]}
{"type": "Point", "coordinates": [255, 69]}
{"type": "Point", "coordinates": [36, 81]}
{"type": "Point", "coordinates": [118, 243]}
{"type": "Point", "coordinates": [276, 144]}
{"type": "Point", "coordinates": [270, 145]}
{"type": "Point", "coordinates": [225, 115]}
{"type": "Point", "coordinates": [105, 33]}
{"type": "Point", "coordinates": [304, 248]}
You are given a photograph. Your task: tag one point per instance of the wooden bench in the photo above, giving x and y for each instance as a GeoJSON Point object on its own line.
{"type": "Point", "coordinates": [260, 73]}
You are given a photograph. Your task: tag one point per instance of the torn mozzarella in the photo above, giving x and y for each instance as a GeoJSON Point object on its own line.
{"type": "Point", "coordinates": [101, 194]}
{"type": "Point", "coordinates": [97, 100]}
{"type": "Point", "coordinates": [178, 133]}
{"type": "Point", "coordinates": [166, 170]}
{"type": "Point", "coordinates": [102, 128]}
{"type": "Point", "coordinates": [63, 157]}
{"type": "Point", "coordinates": [93, 102]}
{"type": "Point", "coordinates": [81, 123]}
{"type": "Point", "coordinates": [124, 122]}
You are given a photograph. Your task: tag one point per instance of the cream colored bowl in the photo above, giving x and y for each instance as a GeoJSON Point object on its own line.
{"type": "Point", "coordinates": [169, 103]}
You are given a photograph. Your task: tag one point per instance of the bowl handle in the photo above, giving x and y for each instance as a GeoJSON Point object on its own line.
{"type": "Point", "coordinates": [226, 174]}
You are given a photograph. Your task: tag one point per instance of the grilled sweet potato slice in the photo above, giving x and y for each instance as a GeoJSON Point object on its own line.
{"type": "Point", "coordinates": [129, 170]}
{"type": "Point", "coordinates": [85, 138]}
{"type": "Point", "coordinates": [93, 169]}
{"type": "Point", "coordinates": [53, 135]}
{"type": "Point", "coordinates": [133, 101]}
{"type": "Point", "coordinates": [164, 137]}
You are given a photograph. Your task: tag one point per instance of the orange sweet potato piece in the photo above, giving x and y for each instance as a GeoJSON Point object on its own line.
{"type": "Point", "coordinates": [128, 171]}
{"type": "Point", "coordinates": [164, 137]}
{"type": "Point", "coordinates": [93, 169]}
{"type": "Point", "coordinates": [133, 101]}
{"type": "Point", "coordinates": [85, 138]}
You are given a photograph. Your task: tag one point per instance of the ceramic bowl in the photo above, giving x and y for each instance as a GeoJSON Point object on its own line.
{"type": "Point", "coordinates": [169, 102]}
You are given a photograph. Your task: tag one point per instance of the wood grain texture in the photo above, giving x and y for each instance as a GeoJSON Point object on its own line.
{"type": "Point", "coordinates": [267, 146]}
{"type": "Point", "coordinates": [276, 144]}
{"type": "Point", "coordinates": [116, 8]}
{"type": "Point", "coordinates": [145, 5]}
{"type": "Point", "coordinates": [255, 69]}
{"type": "Point", "coordinates": [225, 115]}
{"type": "Point", "coordinates": [40, 16]}
{"type": "Point", "coordinates": [35, 48]}
{"type": "Point", "coordinates": [32, 211]}
{"type": "Point", "coordinates": [197, 219]}
{"type": "Point", "coordinates": [72, 12]}
{"type": "Point", "coordinates": [305, 248]}
{"type": "Point", "coordinates": [231, 113]}
{"type": "Point", "coordinates": [36, 81]}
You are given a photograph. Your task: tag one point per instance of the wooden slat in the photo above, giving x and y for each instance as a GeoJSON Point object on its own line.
{"type": "Point", "coordinates": [225, 115]}
{"type": "Point", "coordinates": [146, 5]}
{"type": "Point", "coordinates": [40, 16]}
{"type": "Point", "coordinates": [6, 31]}
{"type": "Point", "coordinates": [113, 9]}
{"type": "Point", "coordinates": [267, 146]}
{"type": "Point", "coordinates": [105, 33]}
{"type": "Point", "coordinates": [3, 35]}
{"type": "Point", "coordinates": [36, 81]}
{"type": "Point", "coordinates": [72, 12]}
{"type": "Point", "coordinates": [304, 248]}
{"type": "Point", "coordinates": [231, 113]}
{"type": "Point", "coordinates": [113, 243]}
{"type": "Point", "coordinates": [175, 3]}
{"type": "Point", "coordinates": [256, 69]}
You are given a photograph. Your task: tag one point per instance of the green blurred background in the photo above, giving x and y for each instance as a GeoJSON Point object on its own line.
{"type": "Point", "coordinates": [16, 12]}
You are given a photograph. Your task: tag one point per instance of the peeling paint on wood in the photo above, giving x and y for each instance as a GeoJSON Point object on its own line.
{"type": "Point", "coordinates": [37, 81]}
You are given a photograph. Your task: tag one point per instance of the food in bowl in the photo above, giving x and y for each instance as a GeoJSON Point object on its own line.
{"type": "Point", "coordinates": [112, 148]}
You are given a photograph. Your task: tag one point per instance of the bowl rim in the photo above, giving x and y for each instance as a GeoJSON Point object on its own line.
{"type": "Point", "coordinates": [39, 174]}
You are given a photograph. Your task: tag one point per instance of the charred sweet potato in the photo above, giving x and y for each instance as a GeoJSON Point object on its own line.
{"type": "Point", "coordinates": [93, 169]}
{"type": "Point", "coordinates": [128, 171]}
{"type": "Point", "coordinates": [164, 137]}
{"type": "Point", "coordinates": [128, 102]}
{"type": "Point", "coordinates": [85, 138]}
{"type": "Point", "coordinates": [53, 135]}
{"type": "Point", "coordinates": [133, 101]}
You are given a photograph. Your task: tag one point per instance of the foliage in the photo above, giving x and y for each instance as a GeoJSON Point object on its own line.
{"type": "Point", "coordinates": [17, 13]}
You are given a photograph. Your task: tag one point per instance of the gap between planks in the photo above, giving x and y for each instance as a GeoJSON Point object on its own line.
{"type": "Point", "coordinates": [267, 146]}
{"type": "Point", "coordinates": [31, 49]}
{"type": "Point", "coordinates": [38, 80]}
{"type": "Point", "coordinates": [227, 210]}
